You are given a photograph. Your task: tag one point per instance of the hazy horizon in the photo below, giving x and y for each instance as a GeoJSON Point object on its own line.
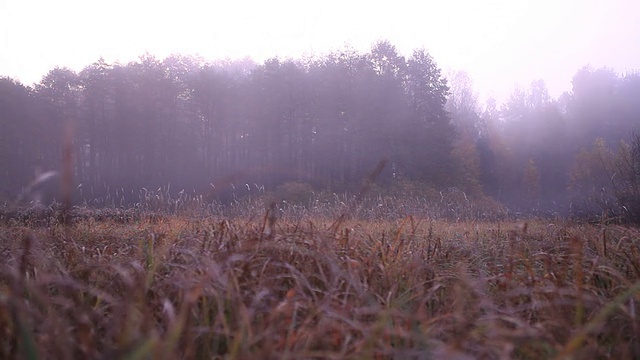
{"type": "Point", "coordinates": [500, 44]}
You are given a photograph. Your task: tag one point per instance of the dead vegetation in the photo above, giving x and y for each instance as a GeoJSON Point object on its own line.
{"type": "Point", "coordinates": [249, 287]}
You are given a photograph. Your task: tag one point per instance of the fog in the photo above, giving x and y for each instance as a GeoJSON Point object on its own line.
{"type": "Point", "coordinates": [499, 43]}
{"type": "Point", "coordinates": [215, 128]}
{"type": "Point", "coordinates": [530, 105]}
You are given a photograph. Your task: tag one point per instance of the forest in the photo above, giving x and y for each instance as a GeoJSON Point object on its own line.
{"type": "Point", "coordinates": [222, 129]}
{"type": "Point", "coordinates": [345, 206]}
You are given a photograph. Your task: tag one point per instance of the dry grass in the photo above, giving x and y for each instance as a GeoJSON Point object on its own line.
{"type": "Point", "coordinates": [172, 287]}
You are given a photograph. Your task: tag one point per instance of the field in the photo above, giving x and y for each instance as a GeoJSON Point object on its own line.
{"type": "Point", "coordinates": [286, 287]}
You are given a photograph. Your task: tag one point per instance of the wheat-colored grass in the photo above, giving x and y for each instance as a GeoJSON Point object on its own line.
{"type": "Point", "coordinates": [216, 287]}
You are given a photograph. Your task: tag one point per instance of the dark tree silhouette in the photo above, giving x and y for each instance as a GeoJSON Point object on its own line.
{"type": "Point", "coordinates": [183, 123]}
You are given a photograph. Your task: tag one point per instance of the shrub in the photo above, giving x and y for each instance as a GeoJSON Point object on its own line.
{"type": "Point", "coordinates": [609, 181]}
{"type": "Point", "coordinates": [294, 192]}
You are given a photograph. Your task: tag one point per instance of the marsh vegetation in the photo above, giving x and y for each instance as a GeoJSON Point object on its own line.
{"type": "Point", "coordinates": [318, 284]}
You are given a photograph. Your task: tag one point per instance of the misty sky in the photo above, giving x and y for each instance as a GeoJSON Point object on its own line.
{"type": "Point", "coordinates": [500, 43]}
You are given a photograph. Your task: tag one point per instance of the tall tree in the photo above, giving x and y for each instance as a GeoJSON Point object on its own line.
{"type": "Point", "coordinates": [61, 89]}
{"type": "Point", "coordinates": [430, 133]}
{"type": "Point", "coordinates": [96, 137]}
{"type": "Point", "coordinates": [23, 137]}
{"type": "Point", "coordinates": [464, 110]}
{"type": "Point", "coordinates": [591, 108]}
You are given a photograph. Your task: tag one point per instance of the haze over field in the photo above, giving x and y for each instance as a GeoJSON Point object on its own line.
{"type": "Point", "coordinates": [327, 98]}
{"type": "Point", "coordinates": [327, 179]}
{"type": "Point", "coordinates": [500, 43]}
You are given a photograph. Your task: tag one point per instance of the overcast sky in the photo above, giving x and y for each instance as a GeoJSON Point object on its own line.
{"type": "Point", "coordinates": [500, 43]}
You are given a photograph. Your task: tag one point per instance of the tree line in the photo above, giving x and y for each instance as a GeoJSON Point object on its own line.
{"type": "Point", "coordinates": [326, 121]}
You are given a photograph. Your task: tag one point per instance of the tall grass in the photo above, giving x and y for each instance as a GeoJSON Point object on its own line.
{"type": "Point", "coordinates": [317, 287]}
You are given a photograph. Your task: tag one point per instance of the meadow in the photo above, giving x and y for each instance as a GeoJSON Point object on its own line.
{"type": "Point", "coordinates": [276, 282]}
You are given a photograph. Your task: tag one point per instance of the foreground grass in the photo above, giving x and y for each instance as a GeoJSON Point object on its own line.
{"type": "Point", "coordinates": [247, 289]}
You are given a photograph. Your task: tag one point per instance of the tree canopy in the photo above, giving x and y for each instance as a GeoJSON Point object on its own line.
{"type": "Point", "coordinates": [325, 121]}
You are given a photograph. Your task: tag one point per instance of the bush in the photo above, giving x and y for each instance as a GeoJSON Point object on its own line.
{"type": "Point", "coordinates": [610, 181]}
{"type": "Point", "coordinates": [410, 188]}
{"type": "Point", "coordinates": [294, 192]}
{"type": "Point", "coordinates": [626, 179]}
